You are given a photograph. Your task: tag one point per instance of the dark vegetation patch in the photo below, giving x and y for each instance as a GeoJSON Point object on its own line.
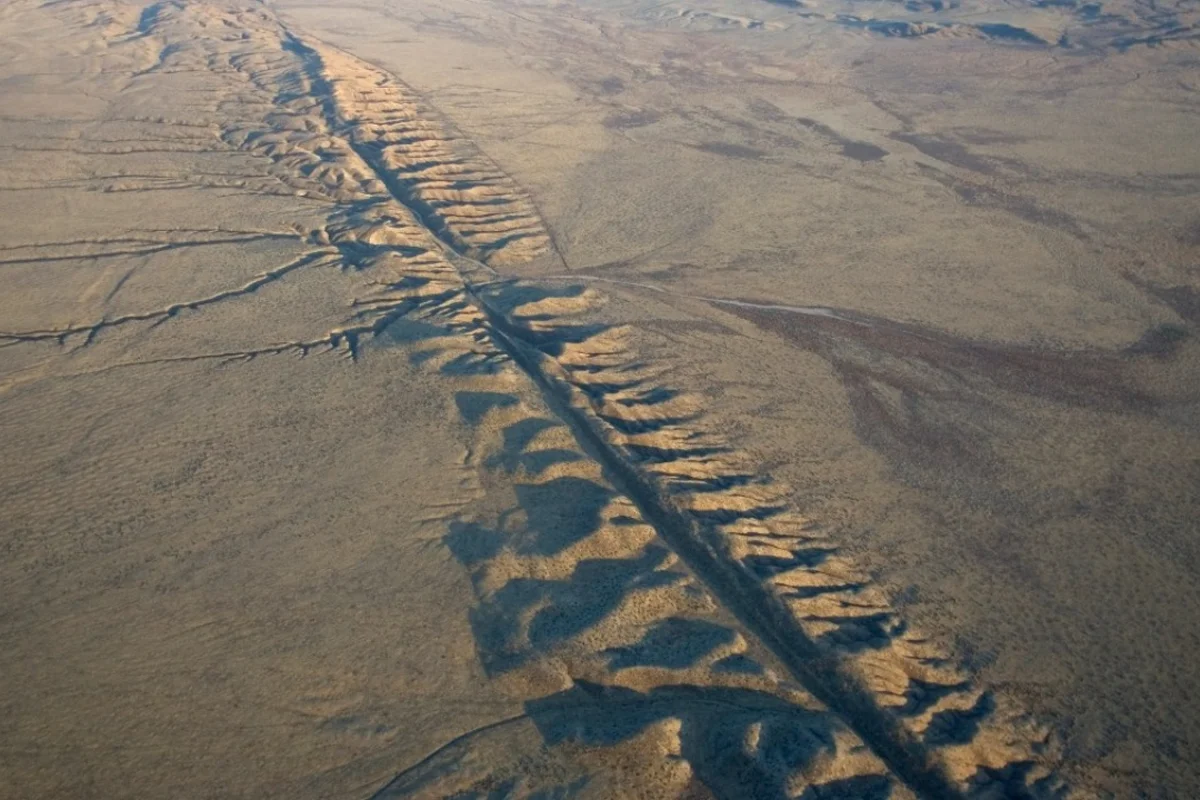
{"type": "Point", "coordinates": [987, 136]}
{"type": "Point", "coordinates": [633, 118]}
{"type": "Point", "coordinates": [1161, 341]}
{"type": "Point", "coordinates": [1183, 300]}
{"type": "Point", "coordinates": [612, 85]}
{"type": "Point", "coordinates": [1025, 208]}
{"type": "Point", "coordinates": [851, 148]}
{"type": "Point", "coordinates": [947, 152]}
{"type": "Point", "coordinates": [730, 150]}
{"type": "Point", "coordinates": [863, 151]}
{"type": "Point", "coordinates": [1021, 207]}
{"type": "Point", "coordinates": [1191, 236]}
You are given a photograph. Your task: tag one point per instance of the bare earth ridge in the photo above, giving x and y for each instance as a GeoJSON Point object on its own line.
{"type": "Point", "coordinates": [636, 404]}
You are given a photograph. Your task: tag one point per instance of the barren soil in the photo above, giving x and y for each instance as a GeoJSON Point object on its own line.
{"type": "Point", "coordinates": [523, 398]}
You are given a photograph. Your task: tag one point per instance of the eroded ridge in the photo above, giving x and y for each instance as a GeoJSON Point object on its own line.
{"type": "Point", "coordinates": [838, 632]}
{"type": "Point", "coordinates": [670, 530]}
{"type": "Point", "coordinates": [640, 683]}
{"type": "Point", "coordinates": [338, 128]}
{"type": "Point", "coordinates": [458, 192]}
{"type": "Point", "coordinates": [715, 516]}
{"type": "Point", "coordinates": [733, 527]}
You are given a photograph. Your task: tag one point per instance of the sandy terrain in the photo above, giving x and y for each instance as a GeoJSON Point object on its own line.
{"type": "Point", "coordinates": [732, 399]}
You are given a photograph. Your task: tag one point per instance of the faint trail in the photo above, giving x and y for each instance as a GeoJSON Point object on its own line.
{"type": "Point", "coordinates": [491, 726]}
{"type": "Point", "coordinates": [149, 249]}
{"type": "Point", "coordinates": [158, 316]}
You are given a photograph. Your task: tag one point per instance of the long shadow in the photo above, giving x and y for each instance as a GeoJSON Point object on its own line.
{"type": "Point", "coordinates": [740, 743]}
{"type": "Point", "coordinates": [675, 643]}
{"type": "Point", "coordinates": [514, 455]}
{"type": "Point", "coordinates": [526, 616]}
{"type": "Point", "coordinates": [689, 534]}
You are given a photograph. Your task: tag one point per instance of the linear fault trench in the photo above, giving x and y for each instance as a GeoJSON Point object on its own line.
{"type": "Point", "coordinates": [695, 543]}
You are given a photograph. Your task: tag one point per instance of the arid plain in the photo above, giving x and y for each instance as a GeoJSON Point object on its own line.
{"type": "Point", "coordinates": [518, 398]}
